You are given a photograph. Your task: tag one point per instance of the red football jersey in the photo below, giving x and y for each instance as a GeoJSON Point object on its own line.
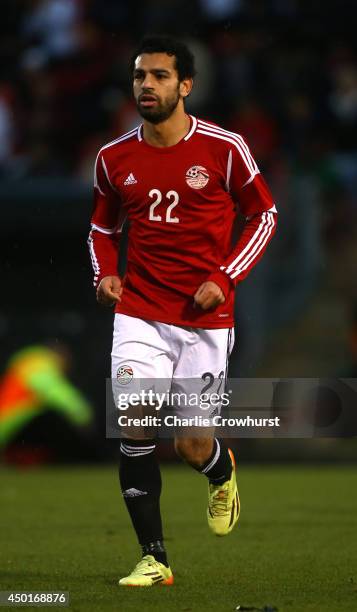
{"type": "Point", "coordinates": [181, 202]}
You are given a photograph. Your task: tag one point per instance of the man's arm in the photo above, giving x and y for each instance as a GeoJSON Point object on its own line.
{"type": "Point", "coordinates": [104, 238]}
{"type": "Point", "coordinates": [255, 202]}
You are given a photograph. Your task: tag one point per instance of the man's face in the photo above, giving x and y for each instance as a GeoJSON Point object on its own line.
{"type": "Point", "coordinates": [156, 87]}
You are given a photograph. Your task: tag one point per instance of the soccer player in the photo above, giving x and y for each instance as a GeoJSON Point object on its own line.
{"type": "Point", "coordinates": [179, 181]}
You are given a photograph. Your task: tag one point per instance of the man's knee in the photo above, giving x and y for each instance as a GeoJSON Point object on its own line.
{"type": "Point", "coordinates": [195, 451]}
{"type": "Point", "coordinates": [131, 427]}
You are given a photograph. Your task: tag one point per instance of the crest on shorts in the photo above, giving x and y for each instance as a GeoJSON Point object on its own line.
{"type": "Point", "coordinates": [125, 374]}
{"type": "Point", "coordinates": [197, 177]}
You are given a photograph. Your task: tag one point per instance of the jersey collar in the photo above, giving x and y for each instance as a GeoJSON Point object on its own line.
{"type": "Point", "coordinates": [190, 133]}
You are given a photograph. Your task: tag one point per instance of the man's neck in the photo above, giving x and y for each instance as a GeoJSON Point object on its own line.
{"type": "Point", "coordinates": [169, 132]}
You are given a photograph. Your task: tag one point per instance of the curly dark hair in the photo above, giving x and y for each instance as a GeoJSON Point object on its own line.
{"type": "Point", "coordinates": [184, 59]}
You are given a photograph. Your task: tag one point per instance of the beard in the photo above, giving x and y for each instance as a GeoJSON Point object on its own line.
{"type": "Point", "coordinates": [162, 111]}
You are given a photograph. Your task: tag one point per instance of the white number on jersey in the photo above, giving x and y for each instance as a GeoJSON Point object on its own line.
{"type": "Point", "coordinates": [173, 198]}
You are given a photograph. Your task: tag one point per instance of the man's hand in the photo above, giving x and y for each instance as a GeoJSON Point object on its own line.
{"type": "Point", "coordinates": [209, 295]}
{"type": "Point", "coordinates": [109, 290]}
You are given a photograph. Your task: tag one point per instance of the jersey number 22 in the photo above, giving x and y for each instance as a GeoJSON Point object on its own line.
{"type": "Point", "coordinates": [173, 199]}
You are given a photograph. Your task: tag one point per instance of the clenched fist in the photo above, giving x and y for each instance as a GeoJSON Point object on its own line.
{"type": "Point", "coordinates": [109, 290]}
{"type": "Point", "coordinates": [209, 295]}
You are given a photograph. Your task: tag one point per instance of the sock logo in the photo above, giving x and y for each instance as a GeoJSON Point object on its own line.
{"type": "Point", "coordinates": [134, 493]}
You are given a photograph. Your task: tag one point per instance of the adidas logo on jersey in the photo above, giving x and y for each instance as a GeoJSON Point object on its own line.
{"type": "Point", "coordinates": [130, 180]}
{"type": "Point", "coordinates": [134, 493]}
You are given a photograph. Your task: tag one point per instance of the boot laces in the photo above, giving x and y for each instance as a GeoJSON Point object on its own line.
{"type": "Point", "coordinates": [219, 502]}
{"type": "Point", "coordinates": [142, 566]}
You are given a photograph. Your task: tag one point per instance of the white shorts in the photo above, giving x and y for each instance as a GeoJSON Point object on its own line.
{"type": "Point", "coordinates": [152, 355]}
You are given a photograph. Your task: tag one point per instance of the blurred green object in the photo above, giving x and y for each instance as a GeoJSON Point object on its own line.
{"type": "Point", "coordinates": [35, 381]}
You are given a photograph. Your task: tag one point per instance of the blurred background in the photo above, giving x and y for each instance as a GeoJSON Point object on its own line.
{"type": "Point", "coordinates": [283, 73]}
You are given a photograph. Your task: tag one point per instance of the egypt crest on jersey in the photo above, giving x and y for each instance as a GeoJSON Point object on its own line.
{"type": "Point", "coordinates": [197, 177]}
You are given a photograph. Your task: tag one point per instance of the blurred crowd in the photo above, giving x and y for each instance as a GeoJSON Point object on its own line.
{"type": "Point", "coordinates": [282, 73]}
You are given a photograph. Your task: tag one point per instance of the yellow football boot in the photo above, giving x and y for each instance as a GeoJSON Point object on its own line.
{"type": "Point", "coordinates": [223, 504]}
{"type": "Point", "coordinates": [148, 572]}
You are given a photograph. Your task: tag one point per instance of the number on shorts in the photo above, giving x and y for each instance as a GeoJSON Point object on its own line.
{"type": "Point", "coordinates": [208, 376]}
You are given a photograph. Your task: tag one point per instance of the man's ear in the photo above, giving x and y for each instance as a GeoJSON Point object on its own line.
{"type": "Point", "coordinates": [186, 87]}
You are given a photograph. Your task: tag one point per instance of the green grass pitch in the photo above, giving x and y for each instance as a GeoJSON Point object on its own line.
{"type": "Point", "coordinates": [295, 546]}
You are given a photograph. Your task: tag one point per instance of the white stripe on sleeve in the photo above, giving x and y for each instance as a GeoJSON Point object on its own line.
{"type": "Point", "coordinates": [94, 260]}
{"type": "Point", "coordinates": [259, 245]}
{"type": "Point", "coordinates": [229, 169]}
{"type": "Point", "coordinates": [248, 246]}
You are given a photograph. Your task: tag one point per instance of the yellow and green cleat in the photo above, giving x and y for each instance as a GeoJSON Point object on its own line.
{"type": "Point", "coordinates": [223, 504]}
{"type": "Point", "coordinates": [148, 572]}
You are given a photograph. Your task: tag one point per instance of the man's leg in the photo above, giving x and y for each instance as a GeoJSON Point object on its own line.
{"type": "Point", "coordinates": [140, 353]}
{"type": "Point", "coordinates": [212, 458]}
{"type": "Point", "coordinates": [140, 482]}
{"type": "Point", "coordinates": [209, 456]}
{"type": "Point", "coordinates": [200, 371]}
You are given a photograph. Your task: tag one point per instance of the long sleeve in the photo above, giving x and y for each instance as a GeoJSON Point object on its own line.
{"type": "Point", "coordinates": [106, 224]}
{"type": "Point", "coordinates": [254, 200]}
